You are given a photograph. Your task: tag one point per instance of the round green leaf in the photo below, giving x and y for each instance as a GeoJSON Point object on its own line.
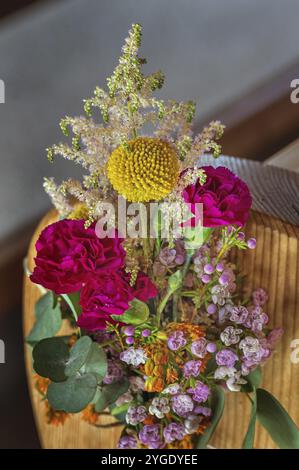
{"type": "Point", "coordinates": [43, 304]}
{"type": "Point", "coordinates": [274, 418]}
{"type": "Point", "coordinates": [96, 361]}
{"type": "Point", "coordinates": [78, 355]}
{"type": "Point", "coordinates": [50, 356]}
{"type": "Point", "coordinates": [74, 394]}
{"type": "Point", "coordinates": [48, 322]}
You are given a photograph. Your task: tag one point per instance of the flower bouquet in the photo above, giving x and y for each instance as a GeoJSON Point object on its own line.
{"type": "Point", "coordinates": [138, 266]}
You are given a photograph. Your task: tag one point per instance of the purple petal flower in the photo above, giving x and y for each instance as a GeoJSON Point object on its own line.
{"type": "Point", "coordinates": [205, 278]}
{"type": "Point", "coordinates": [150, 435]}
{"type": "Point", "coordinates": [192, 368]}
{"type": "Point", "coordinates": [182, 404]}
{"type": "Point", "coordinates": [200, 392]}
{"type": "Point", "coordinates": [127, 442]}
{"type": "Point", "coordinates": [198, 348]}
{"type": "Point", "coordinates": [136, 414]}
{"type": "Point", "coordinates": [251, 243]}
{"type": "Point", "coordinates": [134, 357]}
{"type": "Point", "coordinates": [239, 315]}
{"type": "Point", "coordinates": [130, 340]}
{"type": "Point", "coordinates": [114, 372]}
{"type": "Point", "coordinates": [211, 347]}
{"type": "Point", "coordinates": [259, 297]}
{"type": "Point", "coordinates": [203, 410]}
{"type": "Point", "coordinates": [176, 340]}
{"type": "Point", "coordinates": [174, 432]}
{"type": "Point", "coordinates": [146, 333]}
{"type": "Point", "coordinates": [211, 309]}
{"type": "Point", "coordinates": [208, 268]}
{"type": "Point", "coordinates": [226, 357]}
{"type": "Point", "coordinates": [219, 267]}
{"type": "Point", "coordinates": [129, 330]}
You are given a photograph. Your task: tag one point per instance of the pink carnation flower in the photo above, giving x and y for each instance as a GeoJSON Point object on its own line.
{"type": "Point", "coordinates": [68, 255]}
{"type": "Point", "coordinates": [110, 294]}
{"type": "Point", "coordinates": [225, 197]}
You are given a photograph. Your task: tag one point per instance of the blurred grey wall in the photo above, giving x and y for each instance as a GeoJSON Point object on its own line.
{"type": "Point", "coordinates": [52, 55]}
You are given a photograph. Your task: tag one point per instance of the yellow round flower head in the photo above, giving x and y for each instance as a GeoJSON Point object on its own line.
{"type": "Point", "coordinates": [147, 169]}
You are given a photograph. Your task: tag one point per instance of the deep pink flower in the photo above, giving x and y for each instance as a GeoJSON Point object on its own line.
{"type": "Point", "coordinates": [144, 288]}
{"type": "Point", "coordinates": [102, 297]}
{"type": "Point", "coordinates": [225, 197]}
{"type": "Point", "coordinates": [110, 294]}
{"type": "Point", "coordinates": [68, 255]}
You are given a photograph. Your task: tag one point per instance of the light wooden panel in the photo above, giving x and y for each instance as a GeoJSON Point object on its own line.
{"type": "Point", "coordinates": [273, 266]}
{"type": "Point", "coordinates": [287, 158]}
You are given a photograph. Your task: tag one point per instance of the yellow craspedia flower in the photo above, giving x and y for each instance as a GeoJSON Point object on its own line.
{"type": "Point", "coordinates": [147, 169]}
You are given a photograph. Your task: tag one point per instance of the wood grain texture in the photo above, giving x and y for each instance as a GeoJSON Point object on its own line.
{"type": "Point", "coordinates": [287, 158]}
{"type": "Point", "coordinates": [274, 265]}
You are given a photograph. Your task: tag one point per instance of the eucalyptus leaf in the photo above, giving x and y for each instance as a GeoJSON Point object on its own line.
{"type": "Point", "coordinates": [274, 418]}
{"type": "Point", "coordinates": [110, 393]}
{"type": "Point", "coordinates": [74, 394]}
{"type": "Point", "coordinates": [78, 355]}
{"type": "Point", "coordinates": [217, 405]}
{"type": "Point", "coordinates": [137, 313]}
{"type": "Point", "coordinates": [50, 356]}
{"type": "Point", "coordinates": [44, 303]}
{"type": "Point", "coordinates": [249, 437]}
{"type": "Point", "coordinates": [96, 361]}
{"type": "Point", "coordinates": [47, 324]}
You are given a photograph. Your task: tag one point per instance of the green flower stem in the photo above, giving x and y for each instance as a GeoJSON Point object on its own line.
{"type": "Point", "coordinates": [176, 297]}
{"type": "Point", "coordinates": [170, 292]}
{"type": "Point", "coordinates": [162, 305]}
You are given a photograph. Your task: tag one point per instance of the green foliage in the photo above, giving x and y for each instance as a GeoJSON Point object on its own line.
{"type": "Point", "coordinates": [110, 393]}
{"type": "Point", "coordinates": [195, 237]}
{"type": "Point", "coordinates": [48, 319]}
{"type": "Point", "coordinates": [175, 281]}
{"type": "Point", "coordinates": [137, 313]}
{"type": "Point", "coordinates": [119, 411]}
{"type": "Point", "coordinates": [78, 355]}
{"type": "Point", "coordinates": [217, 405]}
{"type": "Point", "coordinates": [96, 362]}
{"type": "Point", "coordinates": [50, 357]}
{"type": "Point", "coordinates": [75, 373]}
{"type": "Point", "coordinates": [274, 418]}
{"type": "Point", "coordinates": [72, 301]}
{"type": "Point", "coordinates": [249, 437]}
{"type": "Point", "coordinates": [254, 380]}
{"type": "Point", "coordinates": [74, 394]}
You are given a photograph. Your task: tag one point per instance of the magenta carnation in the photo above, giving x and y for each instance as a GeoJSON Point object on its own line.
{"type": "Point", "coordinates": [68, 254]}
{"type": "Point", "coordinates": [144, 288]}
{"type": "Point", "coordinates": [108, 295]}
{"type": "Point", "coordinates": [225, 197]}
